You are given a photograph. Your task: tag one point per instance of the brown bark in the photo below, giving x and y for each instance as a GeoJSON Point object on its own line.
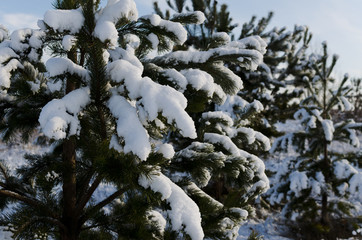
{"type": "Point", "coordinates": [69, 176]}
{"type": "Point", "coordinates": [326, 170]}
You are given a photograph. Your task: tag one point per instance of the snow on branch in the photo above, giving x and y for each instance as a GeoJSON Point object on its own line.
{"type": "Point", "coordinates": [249, 58]}
{"type": "Point", "coordinates": [58, 66]}
{"type": "Point", "coordinates": [59, 117]}
{"type": "Point", "coordinates": [4, 33]}
{"type": "Point", "coordinates": [108, 17]}
{"type": "Point", "coordinates": [22, 45]}
{"type": "Point", "coordinates": [256, 164]}
{"type": "Point", "coordinates": [64, 20]}
{"type": "Point", "coordinates": [5, 72]}
{"type": "Point", "coordinates": [153, 97]}
{"type": "Point", "coordinates": [174, 27]}
{"type": "Point", "coordinates": [129, 127]}
{"type": "Point", "coordinates": [195, 17]}
{"type": "Point", "coordinates": [184, 214]}
{"type": "Point", "coordinates": [201, 80]}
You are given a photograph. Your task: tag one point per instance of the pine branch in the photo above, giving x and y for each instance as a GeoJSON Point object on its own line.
{"type": "Point", "coordinates": [4, 171]}
{"type": "Point", "coordinates": [27, 200]}
{"type": "Point", "coordinates": [45, 219]}
{"type": "Point", "coordinates": [85, 198]}
{"type": "Point", "coordinates": [100, 205]}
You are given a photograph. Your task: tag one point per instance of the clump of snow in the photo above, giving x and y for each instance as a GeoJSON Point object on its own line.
{"type": "Point", "coordinates": [328, 129]}
{"type": "Point", "coordinates": [222, 36]}
{"type": "Point", "coordinates": [5, 72]}
{"type": "Point", "coordinates": [201, 80]}
{"type": "Point", "coordinates": [317, 184]}
{"type": "Point", "coordinates": [298, 182]}
{"type": "Point", "coordinates": [184, 213]}
{"type": "Point", "coordinates": [229, 227]}
{"type": "Point", "coordinates": [132, 40]}
{"type": "Point", "coordinates": [6, 53]}
{"type": "Point", "coordinates": [355, 185]}
{"type": "Point", "coordinates": [4, 33]}
{"type": "Point", "coordinates": [108, 16]}
{"type": "Point", "coordinates": [219, 115]}
{"type": "Point", "coordinates": [68, 42]}
{"type": "Point", "coordinates": [27, 42]}
{"type": "Point", "coordinates": [171, 103]}
{"type": "Point", "coordinates": [249, 133]}
{"type": "Point", "coordinates": [65, 20]}
{"type": "Point", "coordinates": [155, 98]}
{"type": "Point", "coordinates": [174, 27]}
{"type": "Point", "coordinates": [156, 217]}
{"type": "Point", "coordinates": [18, 39]}
{"type": "Point", "coordinates": [312, 122]}
{"type": "Point", "coordinates": [232, 102]}
{"type": "Point", "coordinates": [198, 15]}
{"type": "Point", "coordinates": [343, 169]}
{"type": "Point", "coordinates": [225, 141]}
{"type": "Point", "coordinates": [249, 58]}
{"type": "Point", "coordinates": [154, 40]}
{"type": "Point", "coordinates": [175, 76]}
{"type": "Point", "coordinates": [242, 213]}
{"type": "Point", "coordinates": [256, 105]}
{"type": "Point", "coordinates": [54, 85]}
{"type": "Point", "coordinates": [166, 150]}
{"type": "Point", "coordinates": [128, 55]}
{"type": "Point", "coordinates": [347, 106]}
{"type": "Point", "coordinates": [117, 9]}
{"type": "Point", "coordinates": [58, 118]}
{"type": "Point", "coordinates": [129, 127]}
{"type": "Point", "coordinates": [106, 30]}
{"type": "Point", "coordinates": [25, 38]}
{"type": "Point", "coordinates": [58, 66]}
{"type": "Point", "coordinates": [265, 141]}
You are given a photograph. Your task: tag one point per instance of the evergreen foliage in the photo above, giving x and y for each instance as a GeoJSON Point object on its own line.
{"type": "Point", "coordinates": [278, 82]}
{"type": "Point", "coordinates": [317, 183]}
{"type": "Point", "coordinates": [148, 139]}
{"type": "Point", "coordinates": [201, 36]}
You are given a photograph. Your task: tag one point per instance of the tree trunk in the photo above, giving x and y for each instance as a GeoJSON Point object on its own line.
{"type": "Point", "coordinates": [325, 215]}
{"type": "Point", "coordinates": [69, 186]}
{"type": "Point", "coordinates": [65, 236]}
{"type": "Point", "coordinates": [69, 218]}
{"type": "Point", "coordinates": [326, 171]}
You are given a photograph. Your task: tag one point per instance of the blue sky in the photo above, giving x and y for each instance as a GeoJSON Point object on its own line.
{"type": "Point", "coordinates": [338, 22]}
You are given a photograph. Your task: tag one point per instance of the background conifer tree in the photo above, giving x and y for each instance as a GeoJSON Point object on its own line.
{"type": "Point", "coordinates": [317, 184]}
{"type": "Point", "coordinates": [136, 140]}
{"type": "Point", "coordinates": [278, 82]}
{"type": "Point", "coordinates": [217, 20]}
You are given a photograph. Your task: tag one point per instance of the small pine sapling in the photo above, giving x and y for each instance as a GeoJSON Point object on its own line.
{"type": "Point", "coordinates": [317, 182]}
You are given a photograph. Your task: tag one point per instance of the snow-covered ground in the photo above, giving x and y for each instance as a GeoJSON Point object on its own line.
{"type": "Point", "coordinates": [269, 229]}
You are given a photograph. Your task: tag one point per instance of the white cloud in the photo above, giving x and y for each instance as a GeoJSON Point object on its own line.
{"type": "Point", "coordinates": [15, 21]}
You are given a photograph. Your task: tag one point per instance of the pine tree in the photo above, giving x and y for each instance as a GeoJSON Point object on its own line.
{"type": "Point", "coordinates": [278, 82]}
{"type": "Point", "coordinates": [136, 140]}
{"type": "Point", "coordinates": [316, 183]}
{"type": "Point", "coordinates": [236, 113]}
